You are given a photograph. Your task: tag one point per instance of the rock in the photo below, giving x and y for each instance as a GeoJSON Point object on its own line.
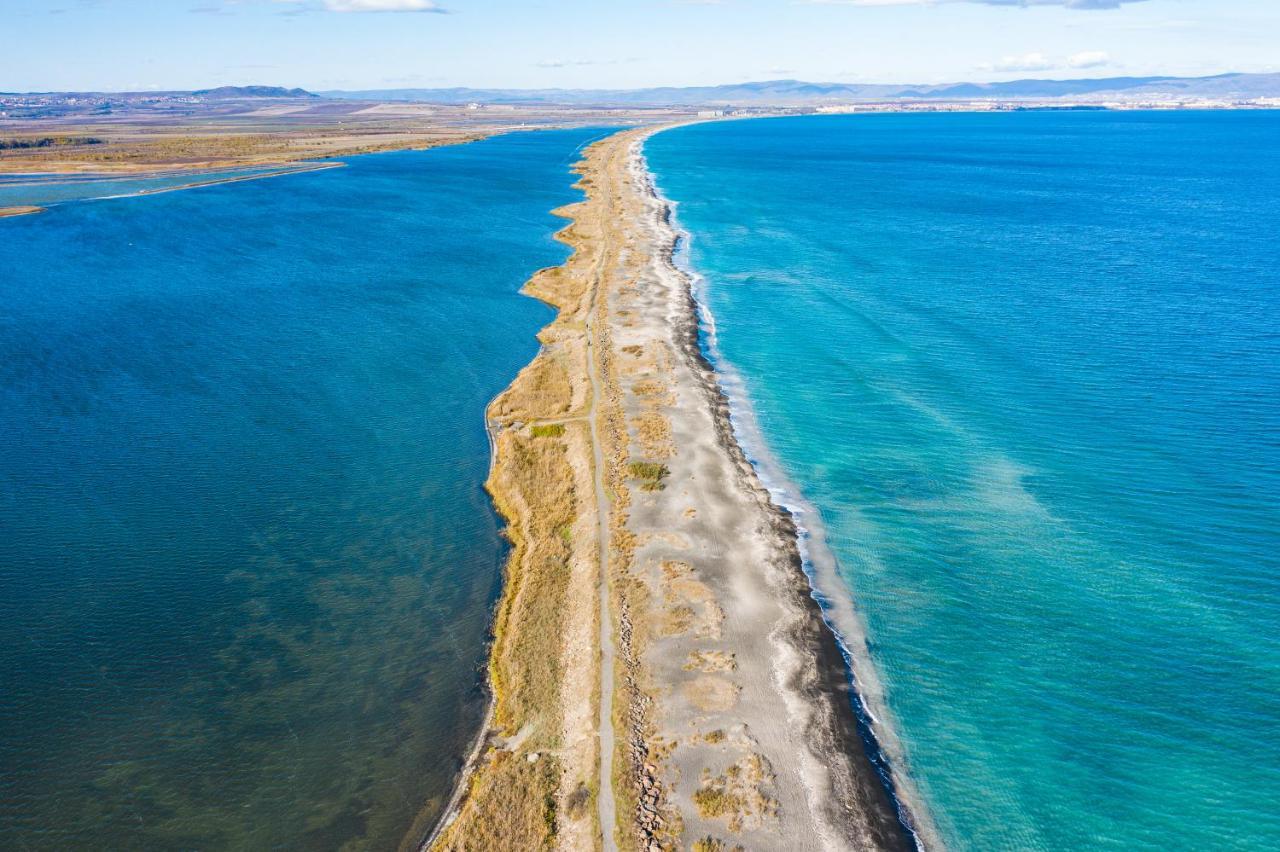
{"type": "Point", "coordinates": [533, 757]}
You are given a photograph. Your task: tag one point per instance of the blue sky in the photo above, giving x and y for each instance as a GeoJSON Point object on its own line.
{"type": "Point", "coordinates": [325, 44]}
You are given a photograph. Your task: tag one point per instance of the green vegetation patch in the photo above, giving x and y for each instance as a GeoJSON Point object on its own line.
{"type": "Point", "coordinates": [650, 474]}
{"type": "Point", "coordinates": [549, 430]}
{"type": "Point", "coordinates": [47, 142]}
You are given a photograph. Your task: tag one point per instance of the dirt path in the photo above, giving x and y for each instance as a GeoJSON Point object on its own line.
{"type": "Point", "coordinates": [607, 808]}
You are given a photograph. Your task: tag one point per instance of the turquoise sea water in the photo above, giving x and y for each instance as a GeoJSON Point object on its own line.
{"type": "Point", "coordinates": [1026, 370]}
{"type": "Point", "coordinates": [246, 562]}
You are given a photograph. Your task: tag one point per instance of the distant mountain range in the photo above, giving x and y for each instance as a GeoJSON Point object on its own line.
{"type": "Point", "coordinates": [222, 93]}
{"type": "Point", "coordinates": [236, 92]}
{"type": "Point", "coordinates": [766, 94]}
{"type": "Point", "coordinates": [800, 93]}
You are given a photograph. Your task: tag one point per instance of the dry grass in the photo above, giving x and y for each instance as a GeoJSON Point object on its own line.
{"type": "Point", "coordinates": [648, 387]}
{"type": "Point", "coordinates": [542, 392]}
{"type": "Point", "coordinates": [535, 475]}
{"type": "Point", "coordinates": [737, 795]}
{"type": "Point", "coordinates": [676, 620]}
{"type": "Point", "coordinates": [510, 805]}
{"type": "Point", "coordinates": [714, 800]}
{"type": "Point", "coordinates": [654, 433]}
{"type": "Point", "coordinates": [117, 147]}
{"type": "Point", "coordinates": [710, 662]}
{"type": "Point", "coordinates": [711, 693]}
{"type": "Point", "coordinates": [710, 844]}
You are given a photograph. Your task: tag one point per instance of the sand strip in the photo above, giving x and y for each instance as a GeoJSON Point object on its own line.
{"type": "Point", "coordinates": [25, 210]}
{"type": "Point", "coordinates": [731, 720]}
{"type": "Point", "coordinates": [745, 731]}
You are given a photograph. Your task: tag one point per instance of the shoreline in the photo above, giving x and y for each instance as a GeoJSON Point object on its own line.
{"type": "Point", "coordinates": [859, 789]}
{"type": "Point", "coordinates": [532, 781]}
{"type": "Point", "coordinates": [850, 666]}
{"type": "Point", "coordinates": [139, 165]}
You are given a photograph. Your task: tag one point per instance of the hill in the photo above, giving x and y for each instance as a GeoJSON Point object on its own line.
{"type": "Point", "coordinates": [801, 93]}
{"type": "Point", "coordinates": [230, 92]}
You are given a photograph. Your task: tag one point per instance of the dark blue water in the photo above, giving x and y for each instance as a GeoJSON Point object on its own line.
{"type": "Point", "coordinates": [246, 562]}
{"type": "Point", "coordinates": [1025, 370]}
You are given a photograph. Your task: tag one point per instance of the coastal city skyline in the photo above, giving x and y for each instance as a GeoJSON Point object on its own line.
{"type": "Point", "coordinates": [126, 45]}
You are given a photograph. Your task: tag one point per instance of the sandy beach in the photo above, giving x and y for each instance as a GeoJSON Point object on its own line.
{"type": "Point", "coordinates": [705, 673]}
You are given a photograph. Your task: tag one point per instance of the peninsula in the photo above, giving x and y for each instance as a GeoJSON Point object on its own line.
{"type": "Point", "coordinates": [127, 133]}
{"type": "Point", "coordinates": [700, 700]}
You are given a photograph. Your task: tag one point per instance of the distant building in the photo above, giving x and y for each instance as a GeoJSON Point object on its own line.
{"type": "Point", "coordinates": [711, 113]}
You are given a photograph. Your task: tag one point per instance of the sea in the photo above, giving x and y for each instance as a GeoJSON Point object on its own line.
{"type": "Point", "coordinates": [247, 565]}
{"type": "Point", "coordinates": [1018, 377]}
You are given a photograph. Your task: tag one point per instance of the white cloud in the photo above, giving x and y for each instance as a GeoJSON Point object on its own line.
{"type": "Point", "coordinates": [382, 6]}
{"type": "Point", "coordinates": [1037, 61]}
{"type": "Point", "coordinates": [1025, 62]}
{"type": "Point", "coordinates": [578, 63]}
{"type": "Point", "coordinates": [1089, 59]}
{"type": "Point", "coordinates": [1070, 4]}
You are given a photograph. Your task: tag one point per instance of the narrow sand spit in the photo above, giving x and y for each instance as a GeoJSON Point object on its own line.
{"type": "Point", "coordinates": [26, 210]}
{"type": "Point", "coordinates": [725, 720]}
{"type": "Point", "coordinates": [739, 687]}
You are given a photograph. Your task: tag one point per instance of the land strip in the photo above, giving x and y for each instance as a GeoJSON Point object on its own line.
{"type": "Point", "coordinates": [25, 210]}
{"type": "Point", "coordinates": [535, 782]}
{"type": "Point", "coordinates": [132, 135]}
{"type": "Point", "coordinates": [742, 731]}
{"type": "Point", "coordinates": [723, 718]}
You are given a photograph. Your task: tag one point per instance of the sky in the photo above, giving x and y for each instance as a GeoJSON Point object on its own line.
{"type": "Point", "coordinates": [119, 45]}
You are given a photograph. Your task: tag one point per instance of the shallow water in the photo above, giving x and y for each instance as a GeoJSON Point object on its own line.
{"type": "Point", "coordinates": [40, 190]}
{"type": "Point", "coordinates": [1025, 368]}
{"type": "Point", "coordinates": [246, 561]}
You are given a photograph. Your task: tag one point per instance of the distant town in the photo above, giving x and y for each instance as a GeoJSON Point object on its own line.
{"type": "Point", "coordinates": [1223, 91]}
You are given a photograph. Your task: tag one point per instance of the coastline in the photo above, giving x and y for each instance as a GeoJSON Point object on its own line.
{"type": "Point", "coordinates": [838, 798]}
{"type": "Point", "coordinates": [845, 656]}
{"type": "Point", "coordinates": [141, 163]}
{"type": "Point", "coordinates": [731, 712]}
{"type": "Point", "coordinates": [532, 780]}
